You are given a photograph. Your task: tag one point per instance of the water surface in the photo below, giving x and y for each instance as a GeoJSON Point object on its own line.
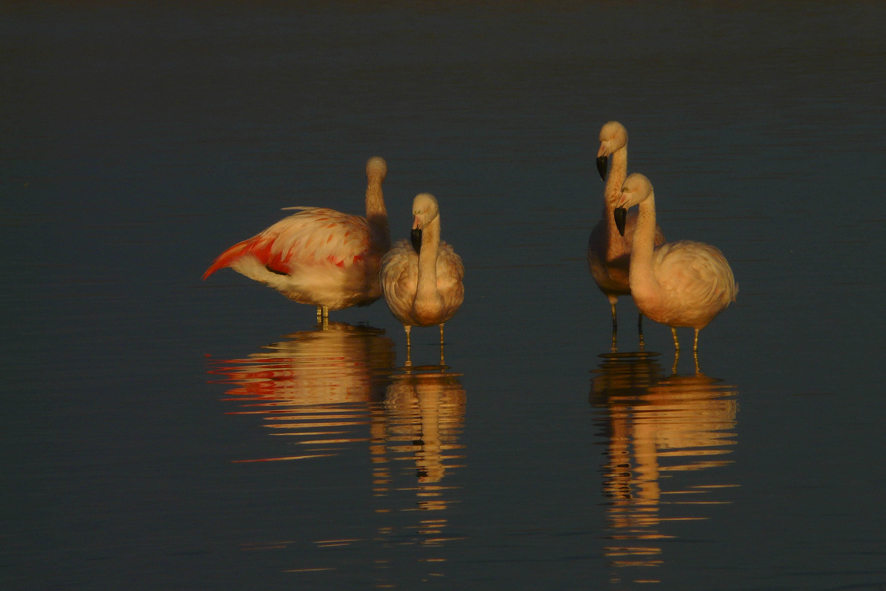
{"type": "Point", "coordinates": [164, 432]}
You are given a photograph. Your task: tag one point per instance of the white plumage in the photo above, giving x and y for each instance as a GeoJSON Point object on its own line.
{"type": "Point", "coordinates": [423, 288]}
{"type": "Point", "coordinates": [682, 283]}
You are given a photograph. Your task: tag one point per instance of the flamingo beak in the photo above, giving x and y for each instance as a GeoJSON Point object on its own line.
{"type": "Point", "coordinates": [621, 216]}
{"type": "Point", "coordinates": [601, 166]}
{"type": "Point", "coordinates": [416, 239]}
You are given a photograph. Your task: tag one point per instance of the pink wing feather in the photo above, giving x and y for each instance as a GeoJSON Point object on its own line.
{"type": "Point", "coordinates": [313, 236]}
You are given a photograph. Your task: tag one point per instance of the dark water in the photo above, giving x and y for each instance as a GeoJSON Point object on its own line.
{"type": "Point", "coordinates": [160, 432]}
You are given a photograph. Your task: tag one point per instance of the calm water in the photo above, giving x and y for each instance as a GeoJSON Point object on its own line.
{"type": "Point", "coordinates": [160, 432]}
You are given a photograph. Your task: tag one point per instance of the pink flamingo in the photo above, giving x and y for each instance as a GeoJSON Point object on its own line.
{"type": "Point", "coordinates": [422, 281]}
{"type": "Point", "coordinates": [609, 252]}
{"type": "Point", "coordinates": [320, 256]}
{"type": "Point", "coordinates": [680, 283]}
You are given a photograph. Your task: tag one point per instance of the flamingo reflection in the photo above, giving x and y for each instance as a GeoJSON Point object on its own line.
{"type": "Point", "coordinates": [666, 438]}
{"type": "Point", "coordinates": [425, 412]}
{"type": "Point", "coordinates": [414, 448]}
{"type": "Point", "coordinates": [316, 385]}
{"type": "Point", "coordinates": [334, 388]}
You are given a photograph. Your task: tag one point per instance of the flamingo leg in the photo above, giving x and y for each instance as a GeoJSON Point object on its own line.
{"type": "Point", "coordinates": [695, 350]}
{"type": "Point", "coordinates": [612, 301]}
{"type": "Point", "coordinates": [640, 330]}
{"type": "Point", "coordinates": [441, 344]}
{"type": "Point", "coordinates": [323, 317]}
{"type": "Point", "coordinates": [676, 342]}
{"type": "Point", "coordinates": [408, 346]}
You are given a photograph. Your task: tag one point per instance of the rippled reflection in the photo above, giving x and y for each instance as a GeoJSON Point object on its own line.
{"type": "Point", "coordinates": [336, 388]}
{"type": "Point", "coordinates": [316, 386]}
{"type": "Point", "coordinates": [665, 437]}
{"type": "Point", "coordinates": [414, 448]}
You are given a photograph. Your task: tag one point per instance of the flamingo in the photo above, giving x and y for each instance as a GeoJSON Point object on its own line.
{"type": "Point", "coordinates": [609, 253]}
{"type": "Point", "coordinates": [681, 283]}
{"type": "Point", "coordinates": [422, 281]}
{"type": "Point", "coordinates": [320, 256]}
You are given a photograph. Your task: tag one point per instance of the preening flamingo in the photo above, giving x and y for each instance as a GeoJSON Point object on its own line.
{"type": "Point", "coordinates": [680, 283]}
{"type": "Point", "coordinates": [609, 252]}
{"type": "Point", "coordinates": [320, 256]}
{"type": "Point", "coordinates": [422, 281]}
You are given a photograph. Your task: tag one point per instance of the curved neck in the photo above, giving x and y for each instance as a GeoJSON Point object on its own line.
{"type": "Point", "coordinates": [376, 214]}
{"type": "Point", "coordinates": [617, 174]}
{"type": "Point", "coordinates": [426, 290]}
{"type": "Point", "coordinates": [641, 273]}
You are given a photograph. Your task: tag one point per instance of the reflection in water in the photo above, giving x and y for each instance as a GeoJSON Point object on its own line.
{"type": "Point", "coordinates": [316, 386]}
{"type": "Point", "coordinates": [425, 409]}
{"type": "Point", "coordinates": [666, 436]}
{"type": "Point", "coordinates": [423, 414]}
{"type": "Point", "coordinates": [332, 388]}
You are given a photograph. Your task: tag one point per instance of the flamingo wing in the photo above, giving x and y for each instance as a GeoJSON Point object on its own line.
{"type": "Point", "coordinates": [317, 256]}
{"type": "Point", "coordinates": [450, 276]}
{"type": "Point", "coordinates": [311, 237]}
{"type": "Point", "coordinates": [696, 276]}
{"type": "Point", "coordinates": [399, 278]}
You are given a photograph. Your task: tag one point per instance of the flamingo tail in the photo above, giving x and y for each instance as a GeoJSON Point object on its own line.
{"type": "Point", "coordinates": [258, 246]}
{"type": "Point", "coordinates": [226, 258]}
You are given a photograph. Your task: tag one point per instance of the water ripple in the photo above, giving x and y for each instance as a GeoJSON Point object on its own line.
{"type": "Point", "coordinates": [665, 437]}
{"type": "Point", "coordinates": [336, 390]}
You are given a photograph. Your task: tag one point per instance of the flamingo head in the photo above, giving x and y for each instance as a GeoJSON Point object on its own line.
{"type": "Point", "coordinates": [376, 167]}
{"type": "Point", "coordinates": [634, 191]}
{"type": "Point", "coordinates": [424, 211]}
{"type": "Point", "coordinates": [613, 137]}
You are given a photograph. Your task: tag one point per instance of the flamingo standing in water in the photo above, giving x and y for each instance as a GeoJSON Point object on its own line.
{"type": "Point", "coordinates": [609, 252]}
{"type": "Point", "coordinates": [422, 281]}
{"type": "Point", "coordinates": [680, 283]}
{"type": "Point", "coordinates": [320, 256]}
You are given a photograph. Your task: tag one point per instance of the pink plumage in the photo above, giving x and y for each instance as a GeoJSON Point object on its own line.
{"type": "Point", "coordinates": [320, 256]}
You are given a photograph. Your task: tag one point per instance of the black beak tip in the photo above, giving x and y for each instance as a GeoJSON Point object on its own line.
{"type": "Point", "coordinates": [621, 215]}
{"type": "Point", "coordinates": [601, 166]}
{"type": "Point", "coordinates": [416, 239]}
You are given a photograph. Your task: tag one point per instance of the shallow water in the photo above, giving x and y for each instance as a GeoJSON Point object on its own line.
{"type": "Point", "coordinates": [163, 432]}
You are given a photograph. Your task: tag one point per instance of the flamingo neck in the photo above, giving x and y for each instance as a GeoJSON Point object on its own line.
{"type": "Point", "coordinates": [617, 174]}
{"type": "Point", "coordinates": [376, 214]}
{"type": "Point", "coordinates": [616, 245]}
{"type": "Point", "coordinates": [427, 298]}
{"type": "Point", "coordinates": [642, 275]}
